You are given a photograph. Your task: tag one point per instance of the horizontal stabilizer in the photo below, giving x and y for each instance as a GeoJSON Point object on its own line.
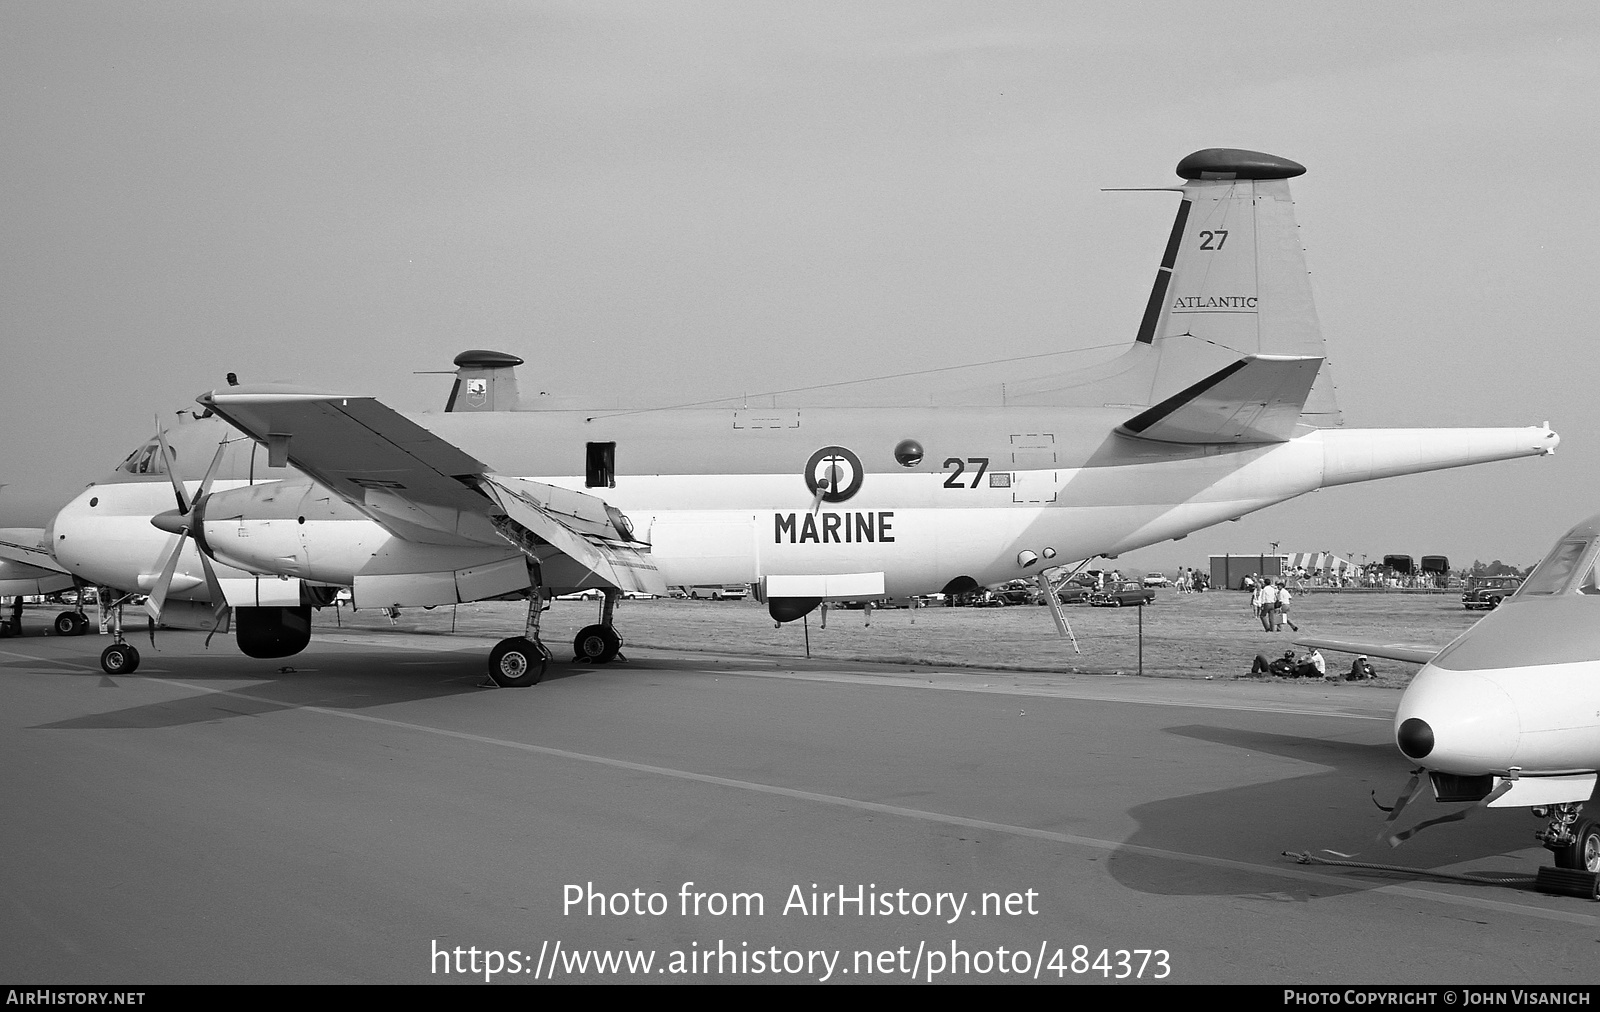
{"type": "Point", "coordinates": [1257, 399]}
{"type": "Point", "coordinates": [1415, 653]}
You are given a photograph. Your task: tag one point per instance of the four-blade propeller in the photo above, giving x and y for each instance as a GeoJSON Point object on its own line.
{"type": "Point", "coordinates": [184, 522]}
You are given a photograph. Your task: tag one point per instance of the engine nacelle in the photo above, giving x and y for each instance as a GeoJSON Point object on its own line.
{"type": "Point", "coordinates": [273, 632]}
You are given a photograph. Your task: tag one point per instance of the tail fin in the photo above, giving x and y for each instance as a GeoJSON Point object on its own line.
{"type": "Point", "coordinates": [1232, 283]}
{"type": "Point", "coordinates": [485, 381]}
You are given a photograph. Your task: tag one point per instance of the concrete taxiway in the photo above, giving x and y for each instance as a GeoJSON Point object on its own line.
{"type": "Point", "coordinates": [214, 819]}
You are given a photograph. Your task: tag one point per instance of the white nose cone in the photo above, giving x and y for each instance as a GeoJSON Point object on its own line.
{"type": "Point", "coordinates": [1457, 722]}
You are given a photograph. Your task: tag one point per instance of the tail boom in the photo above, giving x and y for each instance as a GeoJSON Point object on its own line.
{"type": "Point", "coordinates": [1352, 455]}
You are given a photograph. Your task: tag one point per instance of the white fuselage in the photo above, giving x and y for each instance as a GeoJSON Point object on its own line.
{"type": "Point", "coordinates": [1001, 493]}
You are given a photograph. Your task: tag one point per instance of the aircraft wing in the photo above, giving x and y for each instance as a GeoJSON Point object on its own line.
{"type": "Point", "coordinates": [1414, 652]}
{"type": "Point", "coordinates": [1257, 399]}
{"type": "Point", "coordinates": [389, 467]}
{"type": "Point", "coordinates": [422, 488]}
{"type": "Point", "coordinates": [27, 545]}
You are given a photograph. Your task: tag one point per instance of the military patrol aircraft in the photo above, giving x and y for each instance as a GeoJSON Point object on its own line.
{"type": "Point", "coordinates": [1222, 405]}
{"type": "Point", "coordinates": [1508, 714]}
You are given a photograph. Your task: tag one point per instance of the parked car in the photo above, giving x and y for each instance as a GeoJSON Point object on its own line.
{"type": "Point", "coordinates": [1120, 594]}
{"type": "Point", "coordinates": [723, 592]}
{"type": "Point", "coordinates": [1486, 592]}
{"type": "Point", "coordinates": [1157, 580]}
{"type": "Point", "coordinates": [1068, 593]}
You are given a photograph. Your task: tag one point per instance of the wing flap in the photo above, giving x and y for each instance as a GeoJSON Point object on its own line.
{"type": "Point", "coordinates": [1257, 399]}
{"type": "Point", "coordinates": [579, 526]}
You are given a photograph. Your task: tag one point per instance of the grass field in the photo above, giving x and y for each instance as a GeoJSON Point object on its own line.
{"type": "Point", "coordinates": [1211, 635]}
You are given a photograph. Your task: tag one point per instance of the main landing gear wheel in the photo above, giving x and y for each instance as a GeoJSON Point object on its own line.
{"type": "Point", "coordinates": [1584, 853]}
{"type": "Point", "coordinates": [119, 659]}
{"type": "Point", "coordinates": [516, 662]}
{"type": "Point", "coordinates": [596, 644]}
{"type": "Point", "coordinates": [70, 623]}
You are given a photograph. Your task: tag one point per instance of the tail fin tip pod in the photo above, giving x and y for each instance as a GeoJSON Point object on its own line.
{"type": "Point", "coordinates": [1237, 163]}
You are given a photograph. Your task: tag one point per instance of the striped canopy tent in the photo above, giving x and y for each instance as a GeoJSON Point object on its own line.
{"type": "Point", "coordinates": [1313, 562]}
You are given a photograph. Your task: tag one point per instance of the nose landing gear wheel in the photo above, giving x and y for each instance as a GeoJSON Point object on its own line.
{"type": "Point", "coordinates": [66, 624]}
{"type": "Point", "coordinates": [119, 659]}
{"type": "Point", "coordinates": [1584, 853]}
{"type": "Point", "coordinates": [596, 644]}
{"type": "Point", "coordinates": [516, 662]}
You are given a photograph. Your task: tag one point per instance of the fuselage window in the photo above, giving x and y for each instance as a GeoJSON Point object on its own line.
{"type": "Point", "coordinates": [600, 465]}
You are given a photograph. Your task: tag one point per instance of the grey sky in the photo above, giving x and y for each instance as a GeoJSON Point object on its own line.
{"type": "Point", "coordinates": [674, 201]}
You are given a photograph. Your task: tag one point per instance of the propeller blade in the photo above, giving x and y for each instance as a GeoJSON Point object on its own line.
{"type": "Point", "coordinates": [219, 603]}
{"type": "Point", "coordinates": [158, 593]}
{"type": "Point", "coordinates": [211, 472]}
{"type": "Point", "coordinates": [170, 461]}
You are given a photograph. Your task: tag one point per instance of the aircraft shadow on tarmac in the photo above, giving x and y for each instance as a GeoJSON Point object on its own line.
{"type": "Point", "coordinates": [1319, 812]}
{"type": "Point", "coordinates": [341, 679]}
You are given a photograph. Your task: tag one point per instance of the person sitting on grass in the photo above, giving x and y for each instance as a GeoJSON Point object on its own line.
{"type": "Point", "coordinates": [1360, 669]}
{"type": "Point", "coordinates": [1313, 666]}
{"type": "Point", "coordinates": [1283, 667]}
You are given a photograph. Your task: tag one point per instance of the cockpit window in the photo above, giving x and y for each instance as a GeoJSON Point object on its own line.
{"type": "Point", "coordinates": [1590, 584]}
{"type": "Point", "coordinates": [1556, 571]}
{"type": "Point", "coordinates": [146, 460]}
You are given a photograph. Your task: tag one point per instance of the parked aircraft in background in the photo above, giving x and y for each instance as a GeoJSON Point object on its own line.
{"type": "Point", "coordinates": [28, 569]}
{"type": "Point", "coordinates": [1222, 405]}
{"type": "Point", "coordinates": [1508, 714]}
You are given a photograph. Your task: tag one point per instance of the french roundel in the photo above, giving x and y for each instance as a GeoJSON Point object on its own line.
{"type": "Point", "coordinates": [833, 474]}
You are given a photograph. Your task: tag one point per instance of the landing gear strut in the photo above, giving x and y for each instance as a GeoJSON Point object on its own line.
{"type": "Point", "coordinates": [600, 644]}
{"type": "Point", "coordinates": [520, 661]}
{"type": "Point", "coordinates": [1575, 841]}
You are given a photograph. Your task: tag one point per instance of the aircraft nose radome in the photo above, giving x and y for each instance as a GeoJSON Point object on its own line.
{"type": "Point", "coordinates": [1460, 721]}
{"type": "Point", "coordinates": [1415, 738]}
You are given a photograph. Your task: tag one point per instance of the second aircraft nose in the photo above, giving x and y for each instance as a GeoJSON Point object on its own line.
{"type": "Point", "coordinates": [1460, 722]}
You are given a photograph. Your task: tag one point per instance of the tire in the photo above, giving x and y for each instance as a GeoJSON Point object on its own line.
{"type": "Point", "coordinates": [1116, 602]}
{"type": "Point", "coordinates": [516, 663]}
{"type": "Point", "coordinates": [66, 624]}
{"type": "Point", "coordinates": [596, 644]}
{"type": "Point", "coordinates": [1584, 854]}
{"type": "Point", "coordinates": [119, 659]}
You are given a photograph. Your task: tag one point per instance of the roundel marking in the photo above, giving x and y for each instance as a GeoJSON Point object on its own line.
{"type": "Point", "coordinates": [833, 474]}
